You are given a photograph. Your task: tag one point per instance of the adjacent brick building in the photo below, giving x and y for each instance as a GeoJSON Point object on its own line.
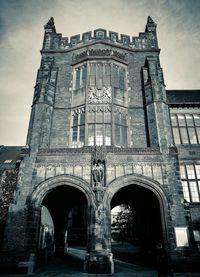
{"type": "Point", "coordinates": [104, 131]}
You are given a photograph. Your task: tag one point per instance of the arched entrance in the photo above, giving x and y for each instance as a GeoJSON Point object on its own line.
{"type": "Point", "coordinates": [67, 206]}
{"type": "Point", "coordinates": [63, 203]}
{"type": "Point", "coordinates": [135, 239]}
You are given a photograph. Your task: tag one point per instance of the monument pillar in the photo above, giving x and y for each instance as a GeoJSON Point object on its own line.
{"type": "Point", "coordinates": [99, 258]}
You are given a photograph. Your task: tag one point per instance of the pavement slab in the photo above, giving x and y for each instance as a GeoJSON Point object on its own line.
{"type": "Point", "coordinates": [71, 265]}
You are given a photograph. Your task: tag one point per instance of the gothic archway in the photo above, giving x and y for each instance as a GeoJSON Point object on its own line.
{"type": "Point", "coordinates": [44, 187]}
{"type": "Point", "coordinates": [67, 198]}
{"type": "Point", "coordinates": [149, 202]}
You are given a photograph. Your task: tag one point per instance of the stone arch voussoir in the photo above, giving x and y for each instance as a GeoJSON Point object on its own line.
{"type": "Point", "coordinates": [48, 185]}
{"type": "Point", "coordinates": [135, 179]}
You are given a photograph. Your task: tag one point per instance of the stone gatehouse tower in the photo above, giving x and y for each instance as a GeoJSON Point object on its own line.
{"type": "Point", "coordinates": [100, 135]}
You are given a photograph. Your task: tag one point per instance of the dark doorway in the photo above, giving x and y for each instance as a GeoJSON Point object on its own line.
{"type": "Point", "coordinates": [140, 223]}
{"type": "Point", "coordinates": [64, 222]}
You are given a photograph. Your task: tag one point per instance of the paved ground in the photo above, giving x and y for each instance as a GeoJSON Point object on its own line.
{"type": "Point", "coordinates": [72, 265]}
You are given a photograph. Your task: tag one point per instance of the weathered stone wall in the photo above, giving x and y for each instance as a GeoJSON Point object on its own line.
{"type": "Point", "coordinates": [61, 117]}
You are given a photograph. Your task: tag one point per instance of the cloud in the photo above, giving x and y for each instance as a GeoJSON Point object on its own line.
{"type": "Point", "coordinates": [21, 36]}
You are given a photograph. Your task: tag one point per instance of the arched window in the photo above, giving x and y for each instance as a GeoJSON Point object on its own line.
{"type": "Point", "coordinates": [78, 128]}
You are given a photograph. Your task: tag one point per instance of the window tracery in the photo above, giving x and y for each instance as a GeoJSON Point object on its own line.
{"type": "Point", "coordinates": [99, 86]}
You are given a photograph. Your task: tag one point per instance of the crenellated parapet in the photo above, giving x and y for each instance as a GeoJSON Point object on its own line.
{"type": "Point", "coordinates": [145, 40]}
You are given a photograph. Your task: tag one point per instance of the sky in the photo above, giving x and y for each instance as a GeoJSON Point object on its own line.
{"type": "Point", "coordinates": [21, 37]}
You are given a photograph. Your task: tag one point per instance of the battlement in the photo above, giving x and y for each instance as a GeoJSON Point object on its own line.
{"type": "Point", "coordinates": [145, 40]}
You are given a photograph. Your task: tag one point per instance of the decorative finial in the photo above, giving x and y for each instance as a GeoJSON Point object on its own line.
{"type": "Point", "coordinates": [50, 24]}
{"type": "Point", "coordinates": [151, 25]}
{"type": "Point", "coordinates": [150, 20]}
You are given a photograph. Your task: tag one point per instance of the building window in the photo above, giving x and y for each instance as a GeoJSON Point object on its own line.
{"type": "Point", "coordinates": [100, 74]}
{"type": "Point", "coordinates": [120, 130]}
{"type": "Point", "coordinates": [186, 128]}
{"type": "Point", "coordinates": [80, 75]}
{"type": "Point", "coordinates": [181, 234]}
{"type": "Point", "coordinates": [98, 125]}
{"type": "Point", "coordinates": [119, 84]}
{"type": "Point", "coordinates": [190, 177]}
{"type": "Point", "coordinates": [78, 128]}
{"type": "Point", "coordinates": [99, 128]}
{"type": "Point", "coordinates": [79, 84]}
{"type": "Point", "coordinates": [100, 78]}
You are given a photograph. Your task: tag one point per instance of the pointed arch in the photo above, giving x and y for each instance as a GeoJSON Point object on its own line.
{"type": "Point", "coordinates": [147, 183]}
{"type": "Point", "coordinates": [46, 186]}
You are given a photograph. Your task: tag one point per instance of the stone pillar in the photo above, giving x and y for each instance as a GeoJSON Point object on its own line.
{"type": "Point", "coordinates": [99, 258]}
{"type": "Point", "coordinates": [33, 228]}
{"type": "Point", "coordinates": [59, 238]}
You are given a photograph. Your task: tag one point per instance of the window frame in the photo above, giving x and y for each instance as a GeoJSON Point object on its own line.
{"type": "Point", "coordinates": [104, 76]}
{"type": "Point", "coordinates": [180, 128]}
{"type": "Point", "coordinates": [106, 71]}
{"type": "Point", "coordinates": [96, 123]}
{"type": "Point", "coordinates": [119, 126]}
{"type": "Point", "coordinates": [78, 143]}
{"type": "Point", "coordinates": [187, 181]}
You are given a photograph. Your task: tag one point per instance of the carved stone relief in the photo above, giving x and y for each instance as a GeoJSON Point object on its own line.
{"type": "Point", "coordinates": [98, 174]}
{"type": "Point", "coordinates": [100, 52]}
{"type": "Point", "coordinates": [92, 109]}
{"type": "Point", "coordinates": [98, 153]}
{"type": "Point", "coordinates": [99, 193]}
{"type": "Point", "coordinates": [153, 171]}
{"type": "Point", "coordinates": [121, 110]}
{"type": "Point", "coordinates": [99, 95]}
{"type": "Point", "coordinates": [98, 166]}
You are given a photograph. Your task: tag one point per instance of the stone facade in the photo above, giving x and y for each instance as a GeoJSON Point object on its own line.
{"type": "Point", "coordinates": [100, 126]}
